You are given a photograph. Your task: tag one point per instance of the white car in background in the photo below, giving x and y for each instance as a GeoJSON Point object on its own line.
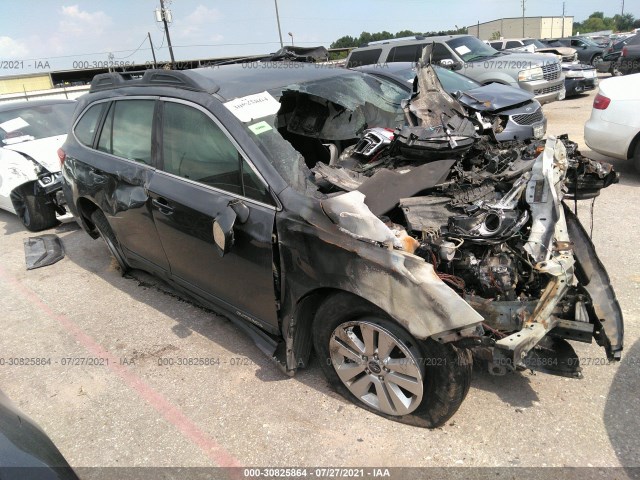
{"type": "Point", "coordinates": [30, 181]}
{"type": "Point", "coordinates": [614, 126]}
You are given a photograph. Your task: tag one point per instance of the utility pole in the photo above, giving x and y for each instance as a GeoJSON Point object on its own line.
{"type": "Point", "coordinates": [278, 19]}
{"type": "Point", "coordinates": [163, 13]}
{"type": "Point", "coordinates": [622, 8]}
{"type": "Point", "coordinates": [563, 19]}
{"type": "Point", "coordinates": [153, 52]}
{"type": "Point", "coordinates": [523, 2]}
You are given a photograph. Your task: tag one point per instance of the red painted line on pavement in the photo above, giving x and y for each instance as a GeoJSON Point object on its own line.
{"type": "Point", "coordinates": [170, 412]}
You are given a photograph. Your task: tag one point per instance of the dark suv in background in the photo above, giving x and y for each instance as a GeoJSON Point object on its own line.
{"type": "Point", "coordinates": [588, 51]}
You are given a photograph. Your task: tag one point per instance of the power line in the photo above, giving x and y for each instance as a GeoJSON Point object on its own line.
{"type": "Point", "coordinates": [141, 43]}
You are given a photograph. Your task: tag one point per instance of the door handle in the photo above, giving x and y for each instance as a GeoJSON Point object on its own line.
{"type": "Point", "coordinates": [162, 206]}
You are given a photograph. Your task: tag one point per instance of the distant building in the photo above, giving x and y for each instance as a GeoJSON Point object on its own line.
{"type": "Point", "coordinates": [519, 27]}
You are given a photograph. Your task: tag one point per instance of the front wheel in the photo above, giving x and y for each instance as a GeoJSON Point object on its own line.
{"type": "Point", "coordinates": [378, 365]}
{"type": "Point", "coordinates": [595, 60]}
{"type": "Point", "coordinates": [36, 212]}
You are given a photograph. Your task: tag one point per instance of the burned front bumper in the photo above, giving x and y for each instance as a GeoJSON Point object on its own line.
{"type": "Point", "coordinates": [562, 251]}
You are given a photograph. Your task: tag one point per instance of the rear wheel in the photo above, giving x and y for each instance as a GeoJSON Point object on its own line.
{"type": "Point", "coordinates": [100, 221]}
{"type": "Point", "coordinates": [36, 212]}
{"type": "Point", "coordinates": [378, 365]}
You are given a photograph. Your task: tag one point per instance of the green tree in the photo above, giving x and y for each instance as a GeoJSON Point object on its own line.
{"type": "Point", "coordinates": [495, 36]}
{"type": "Point", "coordinates": [624, 22]}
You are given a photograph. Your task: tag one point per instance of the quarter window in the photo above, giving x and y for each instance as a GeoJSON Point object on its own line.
{"type": "Point", "coordinates": [127, 130]}
{"type": "Point", "coordinates": [86, 127]}
{"type": "Point", "coordinates": [194, 147]}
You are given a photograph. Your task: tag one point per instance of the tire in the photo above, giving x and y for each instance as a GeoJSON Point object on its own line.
{"type": "Point", "coordinates": [435, 377]}
{"type": "Point", "coordinates": [102, 225]}
{"type": "Point", "coordinates": [614, 70]}
{"type": "Point", "coordinates": [596, 59]}
{"type": "Point", "coordinates": [36, 212]}
{"type": "Point", "coordinates": [636, 157]}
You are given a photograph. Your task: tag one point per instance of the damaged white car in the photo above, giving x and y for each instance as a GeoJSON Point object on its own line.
{"type": "Point", "coordinates": [30, 180]}
{"type": "Point", "coordinates": [322, 210]}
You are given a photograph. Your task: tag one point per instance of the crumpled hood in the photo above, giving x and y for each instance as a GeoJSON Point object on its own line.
{"type": "Point", "coordinates": [44, 151]}
{"type": "Point", "coordinates": [494, 97]}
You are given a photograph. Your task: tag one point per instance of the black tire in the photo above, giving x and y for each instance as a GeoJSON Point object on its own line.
{"type": "Point", "coordinates": [636, 157]}
{"type": "Point", "coordinates": [102, 225]}
{"type": "Point", "coordinates": [36, 212]}
{"type": "Point", "coordinates": [614, 70]}
{"type": "Point", "coordinates": [446, 370]}
{"type": "Point", "coordinates": [597, 58]}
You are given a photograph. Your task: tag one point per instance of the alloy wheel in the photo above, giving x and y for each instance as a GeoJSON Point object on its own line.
{"type": "Point", "coordinates": [377, 367]}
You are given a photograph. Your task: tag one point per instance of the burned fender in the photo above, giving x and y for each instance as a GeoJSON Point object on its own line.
{"type": "Point", "coordinates": [317, 253]}
{"type": "Point", "coordinates": [606, 312]}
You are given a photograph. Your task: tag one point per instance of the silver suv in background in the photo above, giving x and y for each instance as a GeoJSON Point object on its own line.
{"type": "Point", "coordinates": [539, 74]}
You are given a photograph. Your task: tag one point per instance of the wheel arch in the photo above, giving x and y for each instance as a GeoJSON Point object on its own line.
{"type": "Point", "coordinates": [85, 209]}
{"type": "Point", "coordinates": [300, 330]}
{"type": "Point", "coordinates": [632, 146]}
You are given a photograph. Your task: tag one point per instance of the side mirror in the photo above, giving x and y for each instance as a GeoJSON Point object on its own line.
{"type": "Point", "coordinates": [584, 47]}
{"type": "Point", "coordinates": [223, 231]}
{"type": "Point", "coordinates": [447, 63]}
{"type": "Point", "coordinates": [223, 225]}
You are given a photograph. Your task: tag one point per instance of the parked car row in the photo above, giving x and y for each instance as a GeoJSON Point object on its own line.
{"type": "Point", "coordinates": [538, 74]}
{"type": "Point", "coordinates": [578, 77]}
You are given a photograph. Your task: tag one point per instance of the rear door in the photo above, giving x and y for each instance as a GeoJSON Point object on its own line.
{"type": "Point", "coordinates": [202, 172]}
{"type": "Point", "coordinates": [120, 133]}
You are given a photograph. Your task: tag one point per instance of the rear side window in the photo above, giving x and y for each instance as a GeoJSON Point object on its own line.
{"type": "Point", "coordinates": [496, 45]}
{"type": "Point", "coordinates": [86, 127]}
{"type": "Point", "coordinates": [406, 53]}
{"type": "Point", "coordinates": [194, 147]}
{"type": "Point", "coordinates": [127, 130]}
{"type": "Point", "coordinates": [364, 57]}
{"type": "Point", "coordinates": [513, 44]}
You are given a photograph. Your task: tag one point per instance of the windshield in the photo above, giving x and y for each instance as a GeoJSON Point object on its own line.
{"type": "Point", "coordinates": [470, 48]}
{"type": "Point", "coordinates": [312, 115]}
{"type": "Point", "coordinates": [534, 42]}
{"type": "Point", "coordinates": [35, 122]}
{"type": "Point", "coordinates": [454, 82]}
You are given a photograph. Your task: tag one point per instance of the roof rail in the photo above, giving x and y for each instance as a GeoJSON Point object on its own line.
{"type": "Point", "coordinates": [400, 39]}
{"type": "Point", "coordinates": [153, 77]}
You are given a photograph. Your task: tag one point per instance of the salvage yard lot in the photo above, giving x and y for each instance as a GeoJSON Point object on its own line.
{"type": "Point", "coordinates": [139, 377]}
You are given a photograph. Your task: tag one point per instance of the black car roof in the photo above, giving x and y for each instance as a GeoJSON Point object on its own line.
{"type": "Point", "coordinates": [6, 107]}
{"type": "Point", "coordinates": [227, 81]}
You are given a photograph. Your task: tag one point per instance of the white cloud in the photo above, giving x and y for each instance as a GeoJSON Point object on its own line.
{"type": "Point", "coordinates": [78, 22]}
{"type": "Point", "coordinates": [197, 24]}
{"type": "Point", "coordinates": [10, 48]}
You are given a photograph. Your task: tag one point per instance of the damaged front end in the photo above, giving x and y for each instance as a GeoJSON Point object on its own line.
{"type": "Point", "coordinates": [492, 223]}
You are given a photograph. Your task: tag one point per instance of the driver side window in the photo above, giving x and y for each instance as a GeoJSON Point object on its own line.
{"type": "Point", "coordinates": [194, 147]}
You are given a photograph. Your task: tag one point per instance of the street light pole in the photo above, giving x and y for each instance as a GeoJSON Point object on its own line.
{"type": "Point", "coordinates": [523, 2]}
{"type": "Point", "coordinates": [278, 19]}
{"type": "Point", "coordinates": [291, 35]}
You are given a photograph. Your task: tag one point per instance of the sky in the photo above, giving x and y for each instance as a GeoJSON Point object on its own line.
{"type": "Point", "coordinates": [42, 35]}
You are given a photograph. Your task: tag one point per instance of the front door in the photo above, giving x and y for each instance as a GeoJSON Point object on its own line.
{"type": "Point", "coordinates": [202, 171]}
